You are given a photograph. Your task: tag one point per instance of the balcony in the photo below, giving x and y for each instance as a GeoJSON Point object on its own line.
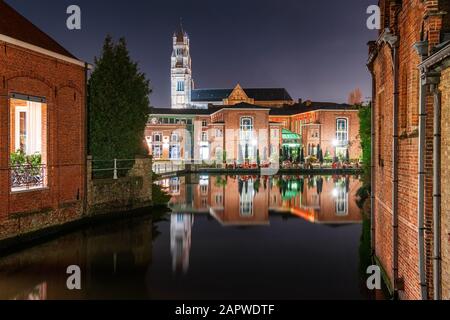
{"type": "Point", "coordinates": [28, 177]}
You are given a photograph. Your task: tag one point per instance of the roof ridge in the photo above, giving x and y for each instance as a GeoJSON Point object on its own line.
{"type": "Point", "coordinates": [15, 25]}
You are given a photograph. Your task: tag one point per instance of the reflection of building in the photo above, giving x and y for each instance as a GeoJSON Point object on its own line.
{"type": "Point", "coordinates": [413, 48]}
{"type": "Point", "coordinates": [246, 201]}
{"type": "Point", "coordinates": [42, 109]}
{"type": "Point", "coordinates": [180, 240]}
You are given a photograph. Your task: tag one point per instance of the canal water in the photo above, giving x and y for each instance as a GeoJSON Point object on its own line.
{"type": "Point", "coordinates": [223, 237]}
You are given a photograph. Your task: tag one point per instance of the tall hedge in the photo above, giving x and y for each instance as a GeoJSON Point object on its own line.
{"type": "Point", "coordinates": [118, 104]}
{"type": "Point", "coordinates": [365, 136]}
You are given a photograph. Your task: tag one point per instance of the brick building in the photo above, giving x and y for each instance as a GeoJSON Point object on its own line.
{"type": "Point", "coordinates": [237, 132]}
{"type": "Point", "coordinates": [42, 113]}
{"type": "Point", "coordinates": [409, 65]}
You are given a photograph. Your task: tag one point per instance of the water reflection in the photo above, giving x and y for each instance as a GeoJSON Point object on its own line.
{"type": "Point", "coordinates": [235, 237]}
{"type": "Point", "coordinates": [180, 240]}
{"type": "Point", "coordinates": [244, 201]}
{"type": "Point", "coordinates": [113, 258]}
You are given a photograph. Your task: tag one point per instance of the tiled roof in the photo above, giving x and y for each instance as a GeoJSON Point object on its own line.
{"type": "Point", "coordinates": [14, 25]}
{"type": "Point", "coordinates": [308, 107]}
{"type": "Point", "coordinates": [193, 112]}
{"type": "Point", "coordinates": [285, 111]}
{"type": "Point", "coordinates": [198, 112]}
{"type": "Point", "coordinates": [259, 94]}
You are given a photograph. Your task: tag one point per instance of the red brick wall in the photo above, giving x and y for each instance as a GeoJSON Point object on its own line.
{"type": "Point", "coordinates": [63, 86]}
{"type": "Point", "coordinates": [445, 219]}
{"type": "Point", "coordinates": [413, 14]}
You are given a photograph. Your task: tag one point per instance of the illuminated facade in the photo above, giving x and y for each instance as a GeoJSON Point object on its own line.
{"type": "Point", "coordinates": [247, 133]}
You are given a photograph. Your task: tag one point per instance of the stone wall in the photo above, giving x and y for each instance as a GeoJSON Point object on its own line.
{"type": "Point", "coordinates": [131, 192]}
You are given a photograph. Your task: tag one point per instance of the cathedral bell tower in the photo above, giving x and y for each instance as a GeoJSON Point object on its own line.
{"type": "Point", "coordinates": [181, 72]}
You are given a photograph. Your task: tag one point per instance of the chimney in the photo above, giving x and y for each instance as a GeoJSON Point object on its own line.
{"type": "Point", "coordinates": [300, 101]}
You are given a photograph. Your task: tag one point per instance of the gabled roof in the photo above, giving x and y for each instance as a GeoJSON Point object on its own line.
{"type": "Point", "coordinates": [16, 26]}
{"type": "Point", "coordinates": [258, 94]}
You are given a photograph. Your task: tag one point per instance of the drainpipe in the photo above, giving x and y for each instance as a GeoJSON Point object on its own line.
{"type": "Point", "coordinates": [86, 137]}
{"type": "Point", "coordinates": [437, 191]}
{"type": "Point", "coordinates": [372, 166]}
{"type": "Point", "coordinates": [395, 172]}
{"type": "Point", "coordinates": [422, 49]}
{"type": "Point", "coordinates": [393, 41]}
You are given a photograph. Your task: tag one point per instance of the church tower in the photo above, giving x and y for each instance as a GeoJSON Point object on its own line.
{"type": "Point", "coordinates": [181, 72]}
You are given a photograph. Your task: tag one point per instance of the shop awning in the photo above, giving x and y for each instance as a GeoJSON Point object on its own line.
{"type": "Point", "coordinates": [291, 139]}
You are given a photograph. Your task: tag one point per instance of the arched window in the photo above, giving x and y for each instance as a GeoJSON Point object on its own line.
{"type": "Point", "coordinates": [246, 128]}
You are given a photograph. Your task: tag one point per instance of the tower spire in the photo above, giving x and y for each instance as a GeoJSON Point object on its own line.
{"type": "Point", "coordinates": [181, 73]}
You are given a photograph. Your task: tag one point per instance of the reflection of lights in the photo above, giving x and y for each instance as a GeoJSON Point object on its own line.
{"type": "Point", "coordinates": [204, 180]}
{"type": "Point", "coordinates": [335, 193]}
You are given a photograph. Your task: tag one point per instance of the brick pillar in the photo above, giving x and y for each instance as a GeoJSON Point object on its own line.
{"type": "Point", "coordinates": [4, 154]}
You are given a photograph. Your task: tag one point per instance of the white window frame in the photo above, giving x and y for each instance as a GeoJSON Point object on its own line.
{"type": "Point", "coordinates": [341, 135]}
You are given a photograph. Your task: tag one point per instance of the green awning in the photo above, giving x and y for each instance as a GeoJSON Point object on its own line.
{"type": "Point", "coordinates": [289, 135]}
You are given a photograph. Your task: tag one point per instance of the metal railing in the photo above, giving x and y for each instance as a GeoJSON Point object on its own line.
{"type": "Point", "coordinates": [25, 177]}
{"type": "Point", "coordinates": [111, 169]}
{"type": "Point", "coordinates": [163, 167]}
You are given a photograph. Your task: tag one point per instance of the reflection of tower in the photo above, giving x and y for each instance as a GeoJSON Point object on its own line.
{"type": "Point", "coordinates": [180, 240]}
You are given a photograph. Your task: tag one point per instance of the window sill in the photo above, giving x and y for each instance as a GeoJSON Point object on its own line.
{"type": "Point", "coordinates": [29, 190]}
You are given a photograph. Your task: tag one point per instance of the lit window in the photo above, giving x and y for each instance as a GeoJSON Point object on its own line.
{"type": "Point", "coordinates": [157, 137]}
{"type": "Point", "coordinates": [157, 151]}
{"type": "Point", "coordinates": [204, 136]}
{"type": "Point", "coordinates": [342, 131]}
{"type": "Point", "coordinates": [175, 138]}
{"type": "Point", "coordinates": [180, 86]}
{"type": "Point", "coordinates": [27, 140]}
{"type": "Point", "coordinates": [246, 128]}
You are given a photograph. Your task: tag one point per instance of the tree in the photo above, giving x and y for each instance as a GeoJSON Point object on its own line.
{"type": "Point", "coordinates": [320, 154]}
{"type": "Point", "coordinates": [365, 113]}
{"type": "Point", "coordinates": [118, 104]}
{"type": "Point", "coordinates": [302, 156]}
{"type": "Point", "coordinates": [347, 156]}
{"type": "Point", "coordinates": [258, 158]}
{"type": "Point", "coordinates": [355, 97]}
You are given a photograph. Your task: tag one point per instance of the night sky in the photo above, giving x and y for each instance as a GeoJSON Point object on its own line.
{"type": "Point", "coordinates": [315, 49]}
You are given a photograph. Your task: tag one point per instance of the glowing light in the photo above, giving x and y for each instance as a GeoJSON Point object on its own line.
{"type": "Point", "coordinates": [335, 193]}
